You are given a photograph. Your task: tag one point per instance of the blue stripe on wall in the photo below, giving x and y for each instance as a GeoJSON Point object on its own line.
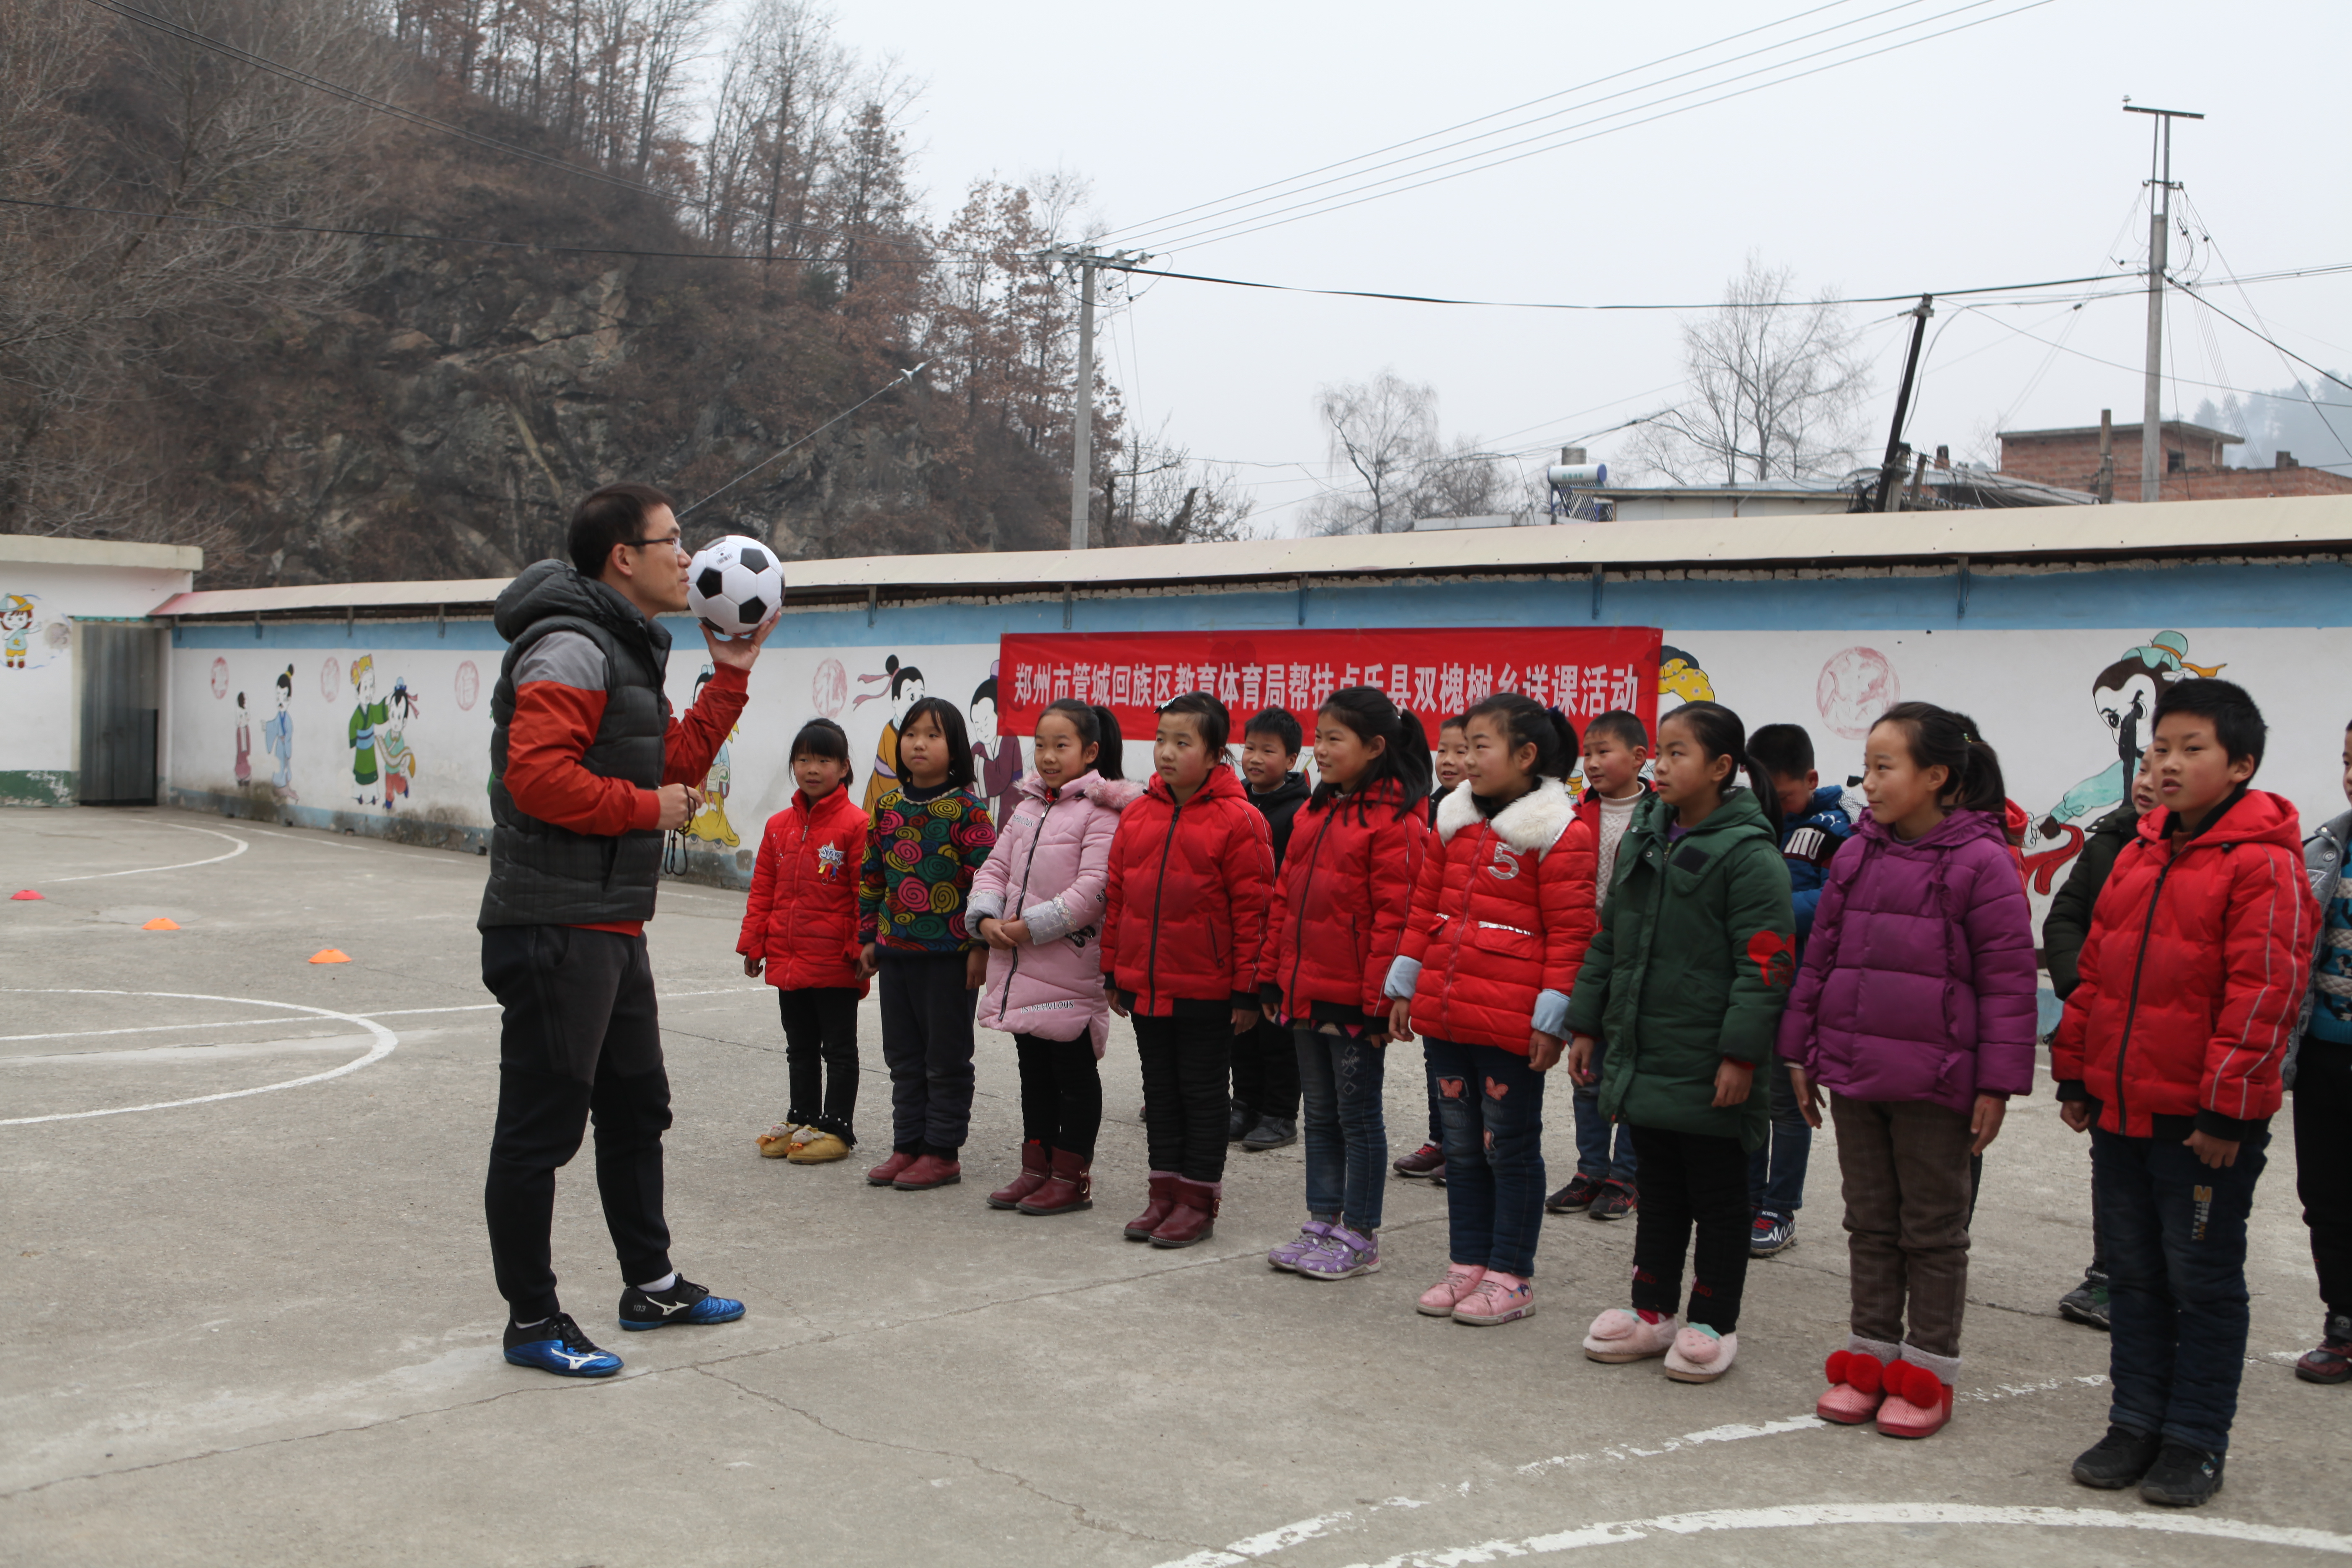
{"type": "Point", "coordinates": [2298, 595]}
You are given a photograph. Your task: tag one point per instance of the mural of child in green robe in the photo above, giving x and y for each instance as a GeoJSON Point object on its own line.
{"type": "Point", "coordinates": [365, 717]}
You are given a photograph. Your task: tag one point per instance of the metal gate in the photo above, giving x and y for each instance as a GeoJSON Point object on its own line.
{"type": "Point", "coordinates": [120, 683]}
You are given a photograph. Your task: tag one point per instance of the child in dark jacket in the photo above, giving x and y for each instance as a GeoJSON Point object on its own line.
{"type": "Point", "coordinates": [1915, 1010]}
{"type": "Point", "coordinates": [2168, 1055]}
{"type": "Point", "coordinates": [2319, 1070]}
{"type": "Point", "coordinates": [1502, 918]}
{"type": "Point", "coordinates": [931, 832]}
{"type": "Point", "coordinates": [800, 925]}
{"type": "Point", "coordinates": [1265, 1062]}
{"type": "Point", "coordinates": [1337, 913]}
{"type": "Point", "coordinates": [1687, 979]}
{"type": "Point", "coordinates": [1191, 870]}
{"type": "Point", "coordinates": [1606, 1185]}
{"type": "Point", "coordinates": [1815, 820]}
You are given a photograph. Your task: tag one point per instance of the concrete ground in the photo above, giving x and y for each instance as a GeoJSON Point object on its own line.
{"type": "Point", "coordinates": [255, 1324]}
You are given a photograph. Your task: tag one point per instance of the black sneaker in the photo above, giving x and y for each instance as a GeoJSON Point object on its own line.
{"type": "Point", "coordinates": [1575, 1197]}
{"type": "Point", "coordinates": [2118, 1460]}
{"type": "Point", "coordinates": [2087, 1303]}
{"type": "Point", "coordinates": [683, 1302]}
{"type": "Point", "coordinates": [1238, 1121]}
{"type": "Point", "coordinates": [1270, 1133]}
{"type": "Point", "coordinates": [557, 1345]}
{"type": "Point", "coordinates": [2182, 1476]}
{"type": "Point", "coordinates": [1615, 1200]}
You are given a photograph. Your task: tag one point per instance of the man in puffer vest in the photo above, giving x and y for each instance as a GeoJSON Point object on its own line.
{"type": "Point", "coordinates": [588, 770]}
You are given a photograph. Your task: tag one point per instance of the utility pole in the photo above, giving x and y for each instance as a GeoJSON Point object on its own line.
{"type": "Point", "coordinates": [1085, 258]}
{"type": "Point", "coordinates": [1890, 471]}
{"type": "Point", "coordinates": [2159, 225]}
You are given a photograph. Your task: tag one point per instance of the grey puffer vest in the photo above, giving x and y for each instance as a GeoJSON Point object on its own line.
{"type": "Point", "coordinates": [541, 874]}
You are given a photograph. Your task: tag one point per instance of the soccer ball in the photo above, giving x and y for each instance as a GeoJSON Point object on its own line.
{"type": "Point", "coordinates": [734, 584]}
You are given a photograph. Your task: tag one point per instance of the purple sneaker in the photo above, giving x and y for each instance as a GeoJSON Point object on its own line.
{"type": "Point", "coordinates": [1344, 1255]}
{"type": "Point", "coordinates": [1310, 1237]}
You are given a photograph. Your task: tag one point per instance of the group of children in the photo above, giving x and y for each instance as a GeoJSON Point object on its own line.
{"type": "Point", "coordinates": [1707, 910]}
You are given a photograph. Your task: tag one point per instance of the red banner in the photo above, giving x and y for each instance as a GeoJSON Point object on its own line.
{"type": "Point", "coordinates": [1435, 671]}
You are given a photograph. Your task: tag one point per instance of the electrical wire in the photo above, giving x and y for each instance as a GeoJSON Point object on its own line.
{"type": "Point", "coordinates": [902, 377]}
{"type": "Point", "coordinates": [1137, 233]}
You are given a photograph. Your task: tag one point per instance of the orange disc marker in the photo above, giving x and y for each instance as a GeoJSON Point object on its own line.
{"type": "Point", "coordinates": [331, 955]}
{"type": "Point", "coordinates": [21, 895]}
{"type": "Point", "coordinates": [161, 922]}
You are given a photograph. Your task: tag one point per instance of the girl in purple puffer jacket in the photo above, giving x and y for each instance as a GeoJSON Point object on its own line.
{"type": "Point", "coordinates": [1915, 1012]}
{"type": "Point", "coordinates": [1048, 874]}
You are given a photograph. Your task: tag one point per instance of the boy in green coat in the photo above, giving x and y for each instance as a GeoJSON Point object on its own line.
{"type": "Point", "coordinates": [1688, 979]}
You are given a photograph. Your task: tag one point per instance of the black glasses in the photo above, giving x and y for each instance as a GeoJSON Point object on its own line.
{"type": "Point", "coordinates": [675, 541]}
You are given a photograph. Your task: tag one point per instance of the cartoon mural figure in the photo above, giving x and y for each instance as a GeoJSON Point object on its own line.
{"type": "Point", "coordinates": [905, 691]}
{"type": "Point", "coordinates": [710, 824]}
{"type": "Point", "coordinates": [2124, 694]}
{"type": "Point", "coordinates": [1855, 686]}
{"type": "Point", "coordinates": [1680, 681]}
{"type": "Point", "coordinates": [399, 762]}
{"type": "Point", "coordinates": [277, 740]}
{"type": "Point", "coordinates": [365, 717]}
{"type": "Point", "coordinates": [996, 758]}
{"type": "Point", "coordinates": [16, 627]}
{"type": "Point", "coordinates": [243, 743]}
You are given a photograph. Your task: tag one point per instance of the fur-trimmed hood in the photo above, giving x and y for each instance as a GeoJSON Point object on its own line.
{"type": "Point", "coordinates": [1112, 795]}
{"type": "Point", "coordinates": [1534, 821]}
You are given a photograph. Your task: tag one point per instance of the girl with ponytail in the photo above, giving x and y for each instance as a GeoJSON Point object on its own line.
{"type": "Point", "coordinates": [1339, 911]}
{"type": "Point", "coordinates": [1038, 904]}
{"type": "Point", "coordinates": [1501, 917]}
{"type": "Point", "coordinates": [1915, 1011]}
{"type": "Point", "coordinates": [1686, 981]}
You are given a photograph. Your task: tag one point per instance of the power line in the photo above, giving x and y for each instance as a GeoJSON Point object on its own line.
{"type": "Point", "coordinates": [1237, 202]}
{"type": "Point", "coordinates": [903, 376]}
{"type": "Point", "coordinates": [2329, 374]}
{"type": "Point", "coordinates": [1219, 233]}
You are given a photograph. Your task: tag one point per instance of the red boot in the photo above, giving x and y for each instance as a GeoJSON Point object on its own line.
{"type": "Point", "coordinates": [1068, 1189]}
{"type": "Point", "coordinates": [1194, 1217]}
{"type": "Point", "coordinates": [1918, 1402]}
{"type": "Point", "coordinates": [1036, 1164]}
{"type": "Point", "coordinates": [929, 1171]}
{"type": "Point", "coordinates": [1164, 1203]}
{"type": "Point", "coordinates": [883, 1174]}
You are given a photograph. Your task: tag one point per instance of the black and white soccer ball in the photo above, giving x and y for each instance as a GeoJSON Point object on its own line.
{"type": "Point", "coordinates": [734, 584]}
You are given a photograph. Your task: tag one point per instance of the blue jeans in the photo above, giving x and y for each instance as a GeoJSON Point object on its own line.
{"type": "Point", "coordinates": [2173, 1231]}
{"type": "Point", "coordinates": [1492, 1103]}
{"type": "Point", "coordinates": [1347, 1141]}
{"type": "Point", "coordinates": [1775, 1171]}
{"type": "Point", "coordinates": [1594, 1156]}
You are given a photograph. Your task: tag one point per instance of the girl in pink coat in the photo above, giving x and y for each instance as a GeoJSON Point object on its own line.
{"type": "Point", "coordinates": [1048, 872]}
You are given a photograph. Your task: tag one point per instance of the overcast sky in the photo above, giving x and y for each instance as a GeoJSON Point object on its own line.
{"type": "Point", "coordinates": [1992, 156]}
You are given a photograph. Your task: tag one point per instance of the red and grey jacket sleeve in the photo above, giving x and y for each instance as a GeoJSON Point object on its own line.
{"type": "Point", "coordinates": [694, 739]}
{"type": "Point", "coordinates": [753, 940]}
{"type": "Point", "coordinates": [560, 692]}
{"type": "Point", "coordinates": [1564, 897]}
{"type": "Point", "coordinates": [2267, 955]}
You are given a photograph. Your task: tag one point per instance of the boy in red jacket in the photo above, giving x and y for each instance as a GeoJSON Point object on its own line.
{"type": "Point", "coordinates": [2192, 979]}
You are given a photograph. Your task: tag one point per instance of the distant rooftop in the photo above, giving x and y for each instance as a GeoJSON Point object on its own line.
{"type": "Point", "coordinates": [2206, 432]}
{"type": "Point", "coordinates": [44, 549]}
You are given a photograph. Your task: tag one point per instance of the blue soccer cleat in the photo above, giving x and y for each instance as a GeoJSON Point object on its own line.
{"type": "Point", "coordinates": [557, 1345]}
{"type": "Point", "coordinates": [683, 1302]}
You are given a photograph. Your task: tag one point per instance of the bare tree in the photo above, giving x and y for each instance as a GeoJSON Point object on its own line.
{"type": "Point", "coordinates": [1159, 495]}
{"type": "Point", "coordinates": [1392, 466]}
{"type": "Point", "coordinates": [1775, 388]}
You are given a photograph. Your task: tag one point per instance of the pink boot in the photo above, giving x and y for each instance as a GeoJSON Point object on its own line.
{"type": "Point", "coordinates": [1619, 1335]}
{"type": "Point", "coordinates": [1440, 1300]}
{"type": "Point", "coordinates": [1855, 1388]}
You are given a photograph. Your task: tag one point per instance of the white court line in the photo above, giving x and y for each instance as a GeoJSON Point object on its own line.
{"type": "Point", "coordinates": [386, 1041]}
{"type": "Point", "coordinates": [143, 1028]}
{"type": "Point", "coordinates": [140, 870]}
{"type": "Point", "coordinates": [380, 1013]}
{"type": "Point", "coordinates": [1801, 1516]}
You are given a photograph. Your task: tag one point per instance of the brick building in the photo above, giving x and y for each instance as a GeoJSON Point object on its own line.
{"type": "Point", "coordinates": [2193, 467]}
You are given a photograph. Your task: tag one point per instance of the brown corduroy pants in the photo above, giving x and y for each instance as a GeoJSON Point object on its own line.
{"type": "Point", "coordinates": [1907, 1197]}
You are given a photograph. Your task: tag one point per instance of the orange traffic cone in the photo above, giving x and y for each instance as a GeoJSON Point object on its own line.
{"type": "Point", "coordinates": [161, 922]}
{"type": "Point", "coordinates": [331, 955]}
{"type": "Point", "coordinates": [22, 894]}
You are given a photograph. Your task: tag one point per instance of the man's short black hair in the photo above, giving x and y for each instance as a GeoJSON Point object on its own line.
{"type": "Point", "coordinates": [609, 515]}
{"type": "Point", "coordinates": [1280, 724]}
{"type": "Point", "coordinates": [2237, 722]}
{"type": "Point", "coordinates": [1785, 749]}
{"type": "Point", "coordinates": [1625, 728]}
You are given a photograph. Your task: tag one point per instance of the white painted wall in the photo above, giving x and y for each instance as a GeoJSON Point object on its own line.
{"type": "Point", "coordinates": [43, 589]}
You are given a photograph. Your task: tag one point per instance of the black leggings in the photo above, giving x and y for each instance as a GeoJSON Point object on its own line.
{"type": "Point", "coordinates": [1060, 1093]}
{"type": "Point", "coordinates": [821, 1057]}
{"type": "Point", "coordinates": [1187, 1065]}
{"type": "Point", "coordinates": [1691, 1181]}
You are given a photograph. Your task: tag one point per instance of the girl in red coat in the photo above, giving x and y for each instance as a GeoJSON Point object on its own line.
{"type": "Point", "coordinates": [801, 926]}
{"type": "Point", "coordinates": [1191, 867]}
{"type": "Point", "coordinates": [1501, 918]}
{"type": "Point", "coordinates": [1339, 908]}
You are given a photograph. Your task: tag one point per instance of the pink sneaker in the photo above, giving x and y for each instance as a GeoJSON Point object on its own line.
{"type": "Point", "coordinates": [1855, 1389]}
{"type": "Point", "coordinates": [1620, 1335]}
{"type": "Point", "coordinates": [1440, 1300]}
{"type": "Point", "coordinates": [1497, 1297]}
{"type": "Point", "coordinates": [1700, 1356]}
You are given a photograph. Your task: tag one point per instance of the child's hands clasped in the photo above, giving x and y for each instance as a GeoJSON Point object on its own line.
{"type": "Point", "coordinates": [1004, 935]}
{"type": "Point", "coordinates": [1733, 1080]}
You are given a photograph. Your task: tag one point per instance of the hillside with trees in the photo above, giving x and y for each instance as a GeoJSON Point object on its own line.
{"type": "Point", "coordinates": [341, 290]}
